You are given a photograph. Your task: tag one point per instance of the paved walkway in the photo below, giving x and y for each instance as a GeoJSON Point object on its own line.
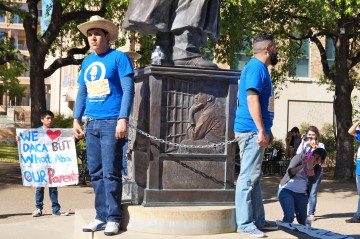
{"type": "Point", "coordinates": [336, 202]}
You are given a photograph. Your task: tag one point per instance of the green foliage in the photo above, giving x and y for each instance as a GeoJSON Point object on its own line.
{"type": "Point", "coordinates": [61, 121]}
{"type": "Point", "coordinates": [241, 20]}
{"type": "Point", "coordinates": [355, 101]}
{"type": "Point", "coordinates": [304, 127]}
{"type": "Point", "coordinates": [8, 153]}
{"type": "Point", "coordinates": [328, 139]}
{"type": "Point", "coordinates": [146, 47]}
{"type": "Point", "coordinates": [277, 144]}
{"type": "Point", "coordinates": [10, 71]}
{"type": "Point", "coordinates": [70, 37]}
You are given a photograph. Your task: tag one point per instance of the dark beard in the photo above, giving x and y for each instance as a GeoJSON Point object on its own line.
{"type": "Point", "coordinates": [273, 58]}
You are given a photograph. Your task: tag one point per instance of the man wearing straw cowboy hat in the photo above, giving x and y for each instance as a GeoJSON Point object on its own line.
{"type": "Point", "coordinates": [106, 91]}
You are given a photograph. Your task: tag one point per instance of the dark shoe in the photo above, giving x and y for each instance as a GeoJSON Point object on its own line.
{"type": "Point", "coordinates": [269, 226]}
{"type": "Point", "coordinates": [354, 219]}
{"type": "Point", "coordinates": [195, 62]}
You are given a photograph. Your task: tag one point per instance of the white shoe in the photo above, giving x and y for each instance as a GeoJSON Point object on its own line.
{"type": "Point", "coordinates": [60, 213]}
{"type": "Point", "coordinates": [94, 226]}
{"type": "Point", "coordinates": [112, 228]}
{"type": "Point", "coordinates": [37, 212]}
{"type": "Point", "coordinates": [311, 217]}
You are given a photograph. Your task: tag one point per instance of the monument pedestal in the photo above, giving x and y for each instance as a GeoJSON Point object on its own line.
{"type": "Point", "coordinates": [187, 106]}
{"type": "Point", "coordinates": [196, 220]}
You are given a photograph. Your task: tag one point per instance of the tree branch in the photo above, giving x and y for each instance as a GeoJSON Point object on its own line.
{"type": "Point", "coordinates": [31, 26]}
{"type": "Point", "coordinates": [11, 56]}
{"type": "Point", "coordinates": [69, 60]}
{"type": "Point", "coordinates": [323, 57]}
{"type": "Point", "coordinates": [353, 61]}
{"type": "Point", "coordinates": [12, 9]}
{"type": "Point", "coordinates": [59, 18]}
{"type": "Point", "coordinates": [84, 14]}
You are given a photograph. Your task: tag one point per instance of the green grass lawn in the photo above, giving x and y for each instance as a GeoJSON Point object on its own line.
{"type": "Point", "coordinates": [8, 153]}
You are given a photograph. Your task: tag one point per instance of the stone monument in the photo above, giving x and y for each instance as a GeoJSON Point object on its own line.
{"type": "Point", "coordinates": [186, 102]}
{"type": "Point", "coordinates": [167, 107]}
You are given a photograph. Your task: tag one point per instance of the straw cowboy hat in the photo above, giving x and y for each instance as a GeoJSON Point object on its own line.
{"type": "Point", "coordinates": [102, 23]}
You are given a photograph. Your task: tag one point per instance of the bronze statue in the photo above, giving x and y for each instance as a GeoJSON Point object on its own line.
{"type": "Point", "coordinates": [180, 26]}
{"type": "Point", "coordinates": [207, 124]}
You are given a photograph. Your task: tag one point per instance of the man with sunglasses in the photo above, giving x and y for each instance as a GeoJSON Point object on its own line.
{"type": "Point", "coordinates": [253, 122]}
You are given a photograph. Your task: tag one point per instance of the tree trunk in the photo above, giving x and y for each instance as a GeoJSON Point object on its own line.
{"type": "Point", "coordinates": [37, 89]}
{"type": "Point", "coordinates": [344, 141]}
{"type": "Point", "coordinates": [343, 110]}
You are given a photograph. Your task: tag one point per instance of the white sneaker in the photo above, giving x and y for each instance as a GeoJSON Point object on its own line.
{"type": "Point", "coordinates": [60, 213]}
{"type": "Point", "coordinates": [94, 226]}
{"type": "Point", "coordinates": [112, 228]}
{"type": "Point", "coordinates": [312, 218]}
{"type": "Point", "coordinates": [37, 212]}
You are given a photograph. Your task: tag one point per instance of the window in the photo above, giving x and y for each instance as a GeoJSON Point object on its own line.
{"type": "Point", "coordinates": [2, 34]}
{"type": "Point", "coordinates": [16, 19]}
{"type": "Point", "coordinates": [20, 44]}
{"type": "Point", "coordinates": [244, 55]}
{"type": "Point", "coordinates": [243, 60]}
{"type": "Point", "coordinates": [330, 51]}
{"type": "Point", "coordinates": [302, 63]}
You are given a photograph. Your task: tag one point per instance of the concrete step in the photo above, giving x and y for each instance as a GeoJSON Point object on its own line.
{"type": "Point", "coordinates": [139, 224]}
{"type": "Point", "coordinates": [41, 228]}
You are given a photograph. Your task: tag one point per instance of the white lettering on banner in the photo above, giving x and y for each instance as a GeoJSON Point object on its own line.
{"type": "Point", "coordinates": [47, 157]}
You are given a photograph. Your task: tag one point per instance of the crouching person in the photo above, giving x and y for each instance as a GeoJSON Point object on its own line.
{"type": "Point", "coordinates": [294, 186]}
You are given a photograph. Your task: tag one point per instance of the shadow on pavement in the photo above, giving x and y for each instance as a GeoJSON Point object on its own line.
{"type": "Point", "coordinates": [2, 216]}
{"type": "Point", "coordinates": [10, 173]}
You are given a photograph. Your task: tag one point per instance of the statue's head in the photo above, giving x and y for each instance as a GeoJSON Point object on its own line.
{"type": "Point", "coordinates": [203, 98]}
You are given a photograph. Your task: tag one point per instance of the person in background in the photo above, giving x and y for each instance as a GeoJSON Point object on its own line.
{"type": "Point", "coordinates": [294, 185]}
{"type": "Point", "coordinates": [106, 92]}
{"type": "Point", "coordinates": [47, 118]}
{"type": "Point", "coordinates": [310, 142]}
{"type": "Point", "coordinates": [253, 122]}
{"type": "Point", "coordinates": [292, 142]}
{"type": "Point", "coordinates": [355, 131]}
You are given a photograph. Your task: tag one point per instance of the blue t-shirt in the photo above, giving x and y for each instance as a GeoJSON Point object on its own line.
{"type": "Point", "coordinates": [102, 76]}
{"type": "Point", "coordinates": [254, 76]}
{"type": "Point", "coordinates": [357, 137]}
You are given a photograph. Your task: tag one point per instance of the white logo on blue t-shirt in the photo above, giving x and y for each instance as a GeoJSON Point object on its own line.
{"type": "Point", "coordinates": [96, 84]}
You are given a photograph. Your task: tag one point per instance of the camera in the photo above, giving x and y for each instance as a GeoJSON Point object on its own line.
{"type": "Point", "coordinates": [305, 138]}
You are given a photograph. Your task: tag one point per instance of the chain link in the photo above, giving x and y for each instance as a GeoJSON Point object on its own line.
{"type": "Point", "coordinates": [222, 144]}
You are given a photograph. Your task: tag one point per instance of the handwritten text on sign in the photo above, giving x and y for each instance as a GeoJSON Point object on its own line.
{"type": "Point", "coordinates": [47, 157]}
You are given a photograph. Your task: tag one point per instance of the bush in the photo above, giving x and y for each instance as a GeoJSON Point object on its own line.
{"type": "Point", "coordinates": [61, 121]}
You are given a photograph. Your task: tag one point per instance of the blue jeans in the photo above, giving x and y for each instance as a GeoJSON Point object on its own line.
{"type": "Point", "coordinates": [293, 204]}
{"type": "Point", "coordinates": [248, 196]}
{"type": "Point", "coordinates": [104, 154]}
{"type": "Point", "coordinates": [358, 190]}
{"type": "Point", "coordinates": [313, 194]}
{"type": "Point", "coordinates": [53, 193]}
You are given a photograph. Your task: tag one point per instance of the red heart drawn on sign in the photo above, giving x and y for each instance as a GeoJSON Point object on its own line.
{"type": "Point", "coordinates": [53, 134]}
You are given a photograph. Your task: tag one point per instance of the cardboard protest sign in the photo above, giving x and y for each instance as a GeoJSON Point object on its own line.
{"type": "Point", "coordinates": [47, 157]}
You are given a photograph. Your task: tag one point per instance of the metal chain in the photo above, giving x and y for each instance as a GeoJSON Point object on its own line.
{"type": "Point", "coordinates": [222, 144]}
